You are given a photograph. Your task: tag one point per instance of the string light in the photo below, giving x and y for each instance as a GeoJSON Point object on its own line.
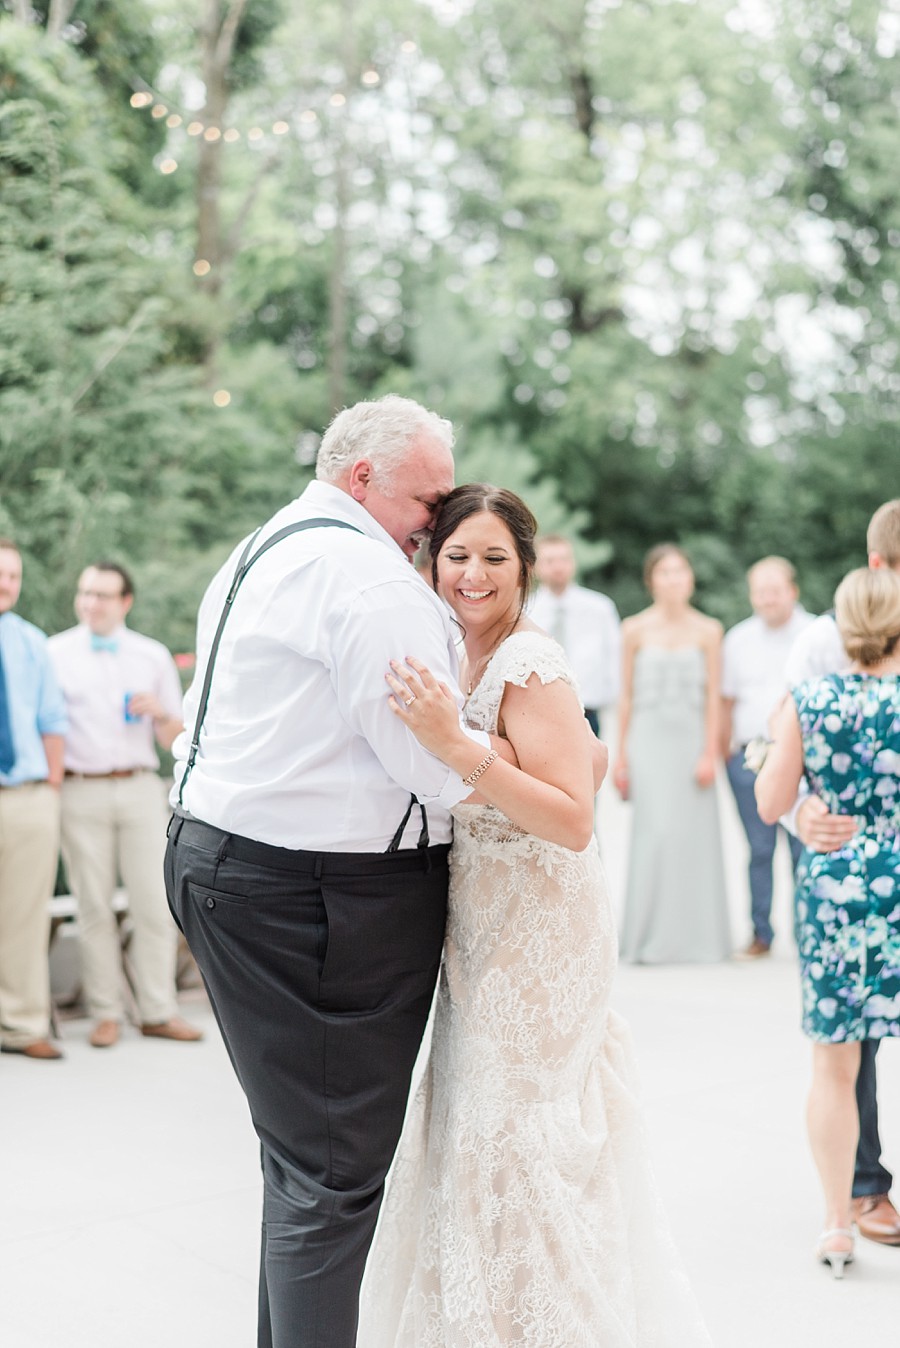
{"type": "Point", "coordinates": [168, 166]}
{"type": "Point", "coordinates": [144, 97]}
{"type": "Point", "coordinates": [221, 397]}
{"type": "Point", "coordinates": [201, 267]}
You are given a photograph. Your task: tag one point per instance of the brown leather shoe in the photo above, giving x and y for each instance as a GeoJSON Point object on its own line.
{"type": "Point", "coordinates": [104, 1034]}
{"type": "Point", "coordinates": [176, 1028]}
{"type": "Point", "coordinates": [877, 1219]}
{"type": "Point", "coordinates": [38, 1048]}
{"type": "Point", "coordinates": [754, 951]}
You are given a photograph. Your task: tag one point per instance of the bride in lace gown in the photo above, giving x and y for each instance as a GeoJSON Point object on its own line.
{"type": "Point", "coordinates": [521, 1209]}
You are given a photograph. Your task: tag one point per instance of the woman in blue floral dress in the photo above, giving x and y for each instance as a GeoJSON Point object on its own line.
{"type": "Point", "coordinates": [843, 732]}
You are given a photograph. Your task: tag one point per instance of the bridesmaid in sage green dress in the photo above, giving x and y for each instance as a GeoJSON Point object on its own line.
{"type": "Point", "coordinates": [675, 907]}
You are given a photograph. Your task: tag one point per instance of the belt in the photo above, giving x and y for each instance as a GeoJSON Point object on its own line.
{"type": "Point", "coordinates": [105, 776]}
{"type": "Point", "coordinates": [208, 838]}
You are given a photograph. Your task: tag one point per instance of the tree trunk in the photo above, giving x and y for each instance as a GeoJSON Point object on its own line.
{"type": "Point", "coordinates": [337, 280]}
{"type": "Point", "coordinates": [217, 35]}
{"type": "Point", "coordinates": [59, 14]}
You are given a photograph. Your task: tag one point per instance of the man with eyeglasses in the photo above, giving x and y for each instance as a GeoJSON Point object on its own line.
{"type": "Point", "coordinates": [123, 696]}
{"type": "Point", "coordinates": [32, 725]}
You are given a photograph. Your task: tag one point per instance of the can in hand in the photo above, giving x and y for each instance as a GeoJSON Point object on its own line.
{"type": "Point", "coordinates": [130, 717]}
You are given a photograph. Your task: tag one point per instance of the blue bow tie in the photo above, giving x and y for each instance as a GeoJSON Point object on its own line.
{"type": "Point", "coordinates": [99, 643]}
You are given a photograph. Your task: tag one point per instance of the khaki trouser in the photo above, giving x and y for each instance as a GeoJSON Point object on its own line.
{"type": "Point", "coordinates": [110, 827]}
{"type": "Point", "coordinates": [29, 851]}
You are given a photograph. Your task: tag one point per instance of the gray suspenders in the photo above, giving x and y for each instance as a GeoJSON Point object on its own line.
{"type": "Point", "coordinates": [247, 558]}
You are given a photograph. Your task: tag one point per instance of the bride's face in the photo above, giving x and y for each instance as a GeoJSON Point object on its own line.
{"type": "Point", "coordinates": [479, 573]}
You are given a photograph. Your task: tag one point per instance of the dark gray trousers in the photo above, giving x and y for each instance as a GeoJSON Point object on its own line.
{"type": "Point", "coordinates": [320, 969]}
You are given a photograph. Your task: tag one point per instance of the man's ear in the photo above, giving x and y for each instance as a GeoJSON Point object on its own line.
{"type": "Point", "coordinates": [876, 561]}
{"type": "Point", "coordinates": [360, 480]}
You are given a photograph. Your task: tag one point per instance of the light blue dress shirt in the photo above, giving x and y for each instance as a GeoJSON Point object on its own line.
{"type": "Point", "coordinates": [36, 705]}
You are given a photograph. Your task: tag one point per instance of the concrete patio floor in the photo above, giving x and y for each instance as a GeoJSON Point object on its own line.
{"type": "Point", "coordinates": [130, 1193]}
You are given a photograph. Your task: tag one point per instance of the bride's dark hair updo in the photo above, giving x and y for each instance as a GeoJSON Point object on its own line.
{"type": "Point", "coordinates": [473, 499]}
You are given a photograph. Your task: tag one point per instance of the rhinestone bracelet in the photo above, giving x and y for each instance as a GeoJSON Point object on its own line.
{"type": "Point", "coordinates": [481, 769]}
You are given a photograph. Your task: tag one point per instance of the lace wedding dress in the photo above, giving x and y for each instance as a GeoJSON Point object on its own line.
{"type": "Point", "coordinates": [521, 1208]}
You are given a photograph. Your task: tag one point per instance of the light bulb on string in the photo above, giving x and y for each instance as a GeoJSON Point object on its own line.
{"type": "Point", "coordinates": [201, 267]}
{"type": "Point", "coordinates": [194, 128]}
{"type": "Point", "coordinates": [159, 110]}
{"type": "Point", "coordinates": [168, 166]}
{"type": "Point", "coordinates": [221, 397]}
{"type": "Point", "coordinates": [212, 133]}
{"type": "Point", "coordinates": [173, 120]}
{"type": "Point", "coordinates": [231, 135]}
{"type": "Point", "coordinates": [280, 128]}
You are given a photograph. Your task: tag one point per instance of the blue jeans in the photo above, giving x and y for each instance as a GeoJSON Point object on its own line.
{"type": "Point", "coordinates": [762, 839]}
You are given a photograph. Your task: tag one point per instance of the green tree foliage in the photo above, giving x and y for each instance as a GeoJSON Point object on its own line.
{"type": "Point", "coordinates": [644, 253]}
{"type": "Point", "coordinates": [109, 444]}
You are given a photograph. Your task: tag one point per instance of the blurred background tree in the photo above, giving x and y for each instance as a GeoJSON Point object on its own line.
{"type": "Point", "coordinates": [644, 253]}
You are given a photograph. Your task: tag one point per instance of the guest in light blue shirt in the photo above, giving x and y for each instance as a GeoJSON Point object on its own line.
{"type": "Point", "coordinates": [32, 729]}
{"type": "Point", "coordinates": [36, 704]}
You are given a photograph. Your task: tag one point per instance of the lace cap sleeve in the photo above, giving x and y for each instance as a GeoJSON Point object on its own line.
{"type": "Point", "coordinates": [528, 653]}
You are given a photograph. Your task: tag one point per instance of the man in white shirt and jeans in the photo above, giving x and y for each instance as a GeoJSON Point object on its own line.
{"type": "Point", "coordinates": [818, 651]}
{"type": "Point", "coordinates": [307, 860]}
{"type": "Point", "coordinates": [754, 655]}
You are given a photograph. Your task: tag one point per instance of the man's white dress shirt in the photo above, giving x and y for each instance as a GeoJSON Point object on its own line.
{"type": "Point", "coordinates": [586, 625]}
{"type": "Point", "coordinates": [299, 747]}
{"type": "Point", "coordinates": [95, 684]}
{"type": "Point", "coordinates": [817, 651]}
{"type": "Point", "coordinates": [754, 659]}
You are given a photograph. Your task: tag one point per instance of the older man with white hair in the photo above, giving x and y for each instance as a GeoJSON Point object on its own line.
{"type": "Point", "coordinates": [307, 859]}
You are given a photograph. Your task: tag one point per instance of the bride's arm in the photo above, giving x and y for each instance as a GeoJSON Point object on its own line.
{"type": "Point", "coordinates": [550, 794]}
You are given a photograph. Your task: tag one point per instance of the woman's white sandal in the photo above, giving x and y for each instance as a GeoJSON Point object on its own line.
{"type": "Point", "coordinates": [836, 1259]}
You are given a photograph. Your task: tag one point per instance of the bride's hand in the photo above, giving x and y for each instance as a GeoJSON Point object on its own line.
{"type": "Point", "coordinates": [423, 704]}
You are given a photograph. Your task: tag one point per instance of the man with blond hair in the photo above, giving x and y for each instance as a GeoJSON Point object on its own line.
{"type": "Point", "coordinates": [817, 651]}
{"type": "Point", "coordinates": [754, 656]}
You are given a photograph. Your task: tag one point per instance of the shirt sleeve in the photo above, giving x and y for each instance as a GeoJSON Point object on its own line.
{"type": "Point", "coordinates": [817, 650]}
{"type": "Point", "coordinates": [729, 672]}
{"type": "Point", "coordinates": [52, 718]}
{"type": "Point", "coordinates": [387, 623]}
{"type": "Point", "coordinates": [169, 687]}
